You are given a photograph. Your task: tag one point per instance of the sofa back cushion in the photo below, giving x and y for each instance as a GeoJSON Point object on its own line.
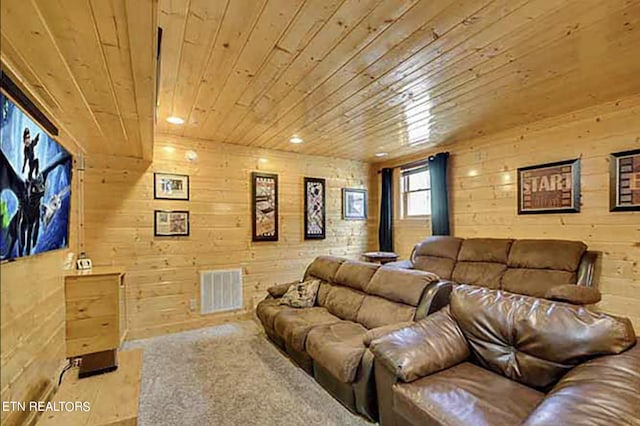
{"type": "Point", "coordinates": [392, 296]}
{"type": "Point", "coordinates": [437, 255]}
{"type": "Point", "coordinates": [355, 274]}
{"type": "Point", "coordinates": [491, 250]}
{"type": "Point", "coordinates": [534, 341]}
{"type": "Point", "coordinates": [482, 261]}
{"type": "Point", "coordinates": [377, 312]}
{"type": "Point", "coordinates": [534, 266]}
{"type": "Point", "coordinates": [324, 268]}
{"type": "Point", "coordinates": [400, 285]}
{"type": "Point", "coordinates": [344, 302]}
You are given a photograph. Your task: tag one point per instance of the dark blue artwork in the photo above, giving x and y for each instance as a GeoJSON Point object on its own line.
{"type": "Point", "coordinates": [35, 186]}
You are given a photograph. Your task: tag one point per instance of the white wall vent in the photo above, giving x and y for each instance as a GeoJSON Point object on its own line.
{"type": "Point", "coordinates": [220, 290]}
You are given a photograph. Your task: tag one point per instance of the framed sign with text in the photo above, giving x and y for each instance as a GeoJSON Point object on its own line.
{"type": "Point", "coordinates": [625, 181]}
{"type": "Point", "coordinates": [549, 188]}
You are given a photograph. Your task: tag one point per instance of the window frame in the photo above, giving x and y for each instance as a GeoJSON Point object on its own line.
{"type": "Point", "coordinates": [405, 172]}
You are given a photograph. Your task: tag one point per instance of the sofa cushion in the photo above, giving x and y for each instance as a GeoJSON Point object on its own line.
{"type": "Point", "coordinates": [494, 250]}
{"type": "Point", "coordinates": [484, 274]}
{"type": "Point", "coordinates": [400, 285]}
{"type": "Point", "coordinates": [338, 348]}
{"type": "Point", "coordinates": [464, 394]}
{"type": "Point", "coordinates": [301, 295]}
{"type": "Point", "coordinates": [595, 392]}
{"type": "Point", "coordinates": [439, 246]}
{"type": "Point", "coordinates": [576, 294]}
{"type": "Point", "coordinates": [355, 274]}
{"type": "Point", "coordinates": [267, 310]}
{"type": "Point", "coordinates": [377, 312]}
{"type": "Point", "coordinates": [344, 302]}
{"type": "Point", "coordinates": [546, 254]}
{"type": "Point", "coordinates": [324, 267]}
{"type": "Point", "coordinates": [293, 325]}
{"type": "Point", "coordinates": [437, 255]}
{"type": "Point", "coordinates": [323, 292]}
{"type": "Point", "coordinates": [534, 341]}
{"type": "Point", "coordinates": [534, 282]}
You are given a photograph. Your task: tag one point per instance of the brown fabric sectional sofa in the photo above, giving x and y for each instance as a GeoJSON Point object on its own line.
{"type": "Point", "coordinates": [356, 303]}
{"type": "Point", "coordinates": [497, 358]}
{"type": "Point", "coordinates": [529, 267]}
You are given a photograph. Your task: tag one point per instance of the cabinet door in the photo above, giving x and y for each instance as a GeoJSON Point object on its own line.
{"type": "Point", "coordinates": [92, 314]}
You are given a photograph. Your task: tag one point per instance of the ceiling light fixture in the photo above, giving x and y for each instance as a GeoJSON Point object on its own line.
{"type": "Point", "coordinates": [175, 120]}
{"type": "Point", "coordinates": [381, 154]}
{"type": "Point", "coordinates": [296, 139]}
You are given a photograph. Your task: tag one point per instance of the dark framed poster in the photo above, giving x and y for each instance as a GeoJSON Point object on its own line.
{"type": "Point", "coordinates": [35, 179]}
{"type": "Point", "coordinates": [171, 223]}
{"type": "Point", "coordinates": [264, 206]}
{"type": "Point", "coordinates": [549, 188]}
{"type": "Point", "coordinates": [314, 209]}
{"type": "Point", "coordinates": [354, 203]}
{"type": "Point", "coordinates": [170, 186]}
{"type": "Point", "coordinates": [624, 189]}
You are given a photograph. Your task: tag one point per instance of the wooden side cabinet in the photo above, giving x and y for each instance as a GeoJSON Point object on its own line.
{"type": "Point", "coordinates": [96, 314]}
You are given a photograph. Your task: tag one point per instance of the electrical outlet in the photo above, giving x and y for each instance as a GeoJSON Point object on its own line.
{"type": "Point", "coordinates": [192, 305]}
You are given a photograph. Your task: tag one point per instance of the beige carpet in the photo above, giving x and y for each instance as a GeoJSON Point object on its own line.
{"type": "Point", "coordinates": [229, 375]}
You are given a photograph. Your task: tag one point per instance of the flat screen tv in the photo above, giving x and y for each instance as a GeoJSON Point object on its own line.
{"type": "Point", "coordinates": [35, 185]}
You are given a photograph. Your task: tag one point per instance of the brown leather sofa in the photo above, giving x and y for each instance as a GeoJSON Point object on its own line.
{"type": "Point", "coordinates": [497, 358]}
{"type": "Point", "coordinates": [537, 268]}
{"type": "Point", "coordinates": [356, 303]}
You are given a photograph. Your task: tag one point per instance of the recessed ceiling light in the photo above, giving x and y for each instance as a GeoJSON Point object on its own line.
{"type": "Point", "coordinates": [175, 120]}
{"type": "Point", "coordinates": [381, 154]}
{"type": "Point", "coordinates": [263, 160]}
{"type": "Point", "coordinates": [296, 139]}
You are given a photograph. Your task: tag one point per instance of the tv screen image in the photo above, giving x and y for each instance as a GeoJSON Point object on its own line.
{"type": "Point", "coordinates": [35, 186]}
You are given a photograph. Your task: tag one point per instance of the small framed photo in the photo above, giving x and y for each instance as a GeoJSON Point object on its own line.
{"type": "Point", "coordinates": [314, 209]}
{"type": "Point", "coordinates": [171, 223]}
{"type": "Point", "coordinates": [169, 186]}
{"type": "Point", "coordinates": [264, 206]}
{"type": "Point", "coordinates": [549, 188]}
{"type": "Point", "coordinates": [624, 190]}
{"type": "Point", "coordinates": [354, 203]}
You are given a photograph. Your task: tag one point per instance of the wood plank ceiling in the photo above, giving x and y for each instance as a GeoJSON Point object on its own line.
{"type": "Point", "coordinates": [357, 77]}
{"type": "Point", "coordinates": [90, 64]}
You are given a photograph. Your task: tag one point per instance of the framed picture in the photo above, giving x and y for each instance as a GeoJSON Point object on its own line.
{"type": "Point", "coordinates": [624, 190]}
{"type": "Point", "coordinates": [314, 209]}
{"type": "Point", "coordinates": [169, 186]}
{"type": "Point", "coordinates": [354, 203]}
{"type": "Point", "coordinates": [549, 188]}
{"type": "Point", "coordinates": [264, 206]}
{"type": "Point", "coordinates": [35, 179]}
{"type": "Point", "coordinates": [171, 223]}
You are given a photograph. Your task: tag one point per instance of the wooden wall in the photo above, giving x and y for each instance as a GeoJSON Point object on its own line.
{"type": "Point", "coordinates": [483, 193]}
{"type": "Point", "coordinates": [163, 272]}
{"type": "Point", "coordinates": [32, 321]}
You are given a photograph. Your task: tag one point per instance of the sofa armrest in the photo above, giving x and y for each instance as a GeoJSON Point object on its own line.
{"type": "Point", "coordinates": [575, 294]}
{"type": "Point", "coordinates": [376, 333]}
{"type": "Point", "coordinates": [278, 290]}
{"type": "Point", "coordinates": [604, 391]}
{"type": "Point", "coordinates": [587, 268]}
{"type": "Point", "coordinates": [426, 347]}
{"type": "Point", "coordinates": [401, 264]}
{"type": "Point", "coordinates": [435, 297]}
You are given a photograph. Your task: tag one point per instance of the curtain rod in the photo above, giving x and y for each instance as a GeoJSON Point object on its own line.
{"type": "Point", "coordinates": [416, 163]}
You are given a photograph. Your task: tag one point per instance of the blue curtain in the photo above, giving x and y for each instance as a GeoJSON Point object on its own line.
{"type": "Point", "coordinates": [439, 194]}
{"type": "Point", "coordinates": [385, 231]}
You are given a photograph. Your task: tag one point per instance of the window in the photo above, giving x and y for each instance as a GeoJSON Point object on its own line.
{"type": "Point", "coordinates": [415, 187]}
